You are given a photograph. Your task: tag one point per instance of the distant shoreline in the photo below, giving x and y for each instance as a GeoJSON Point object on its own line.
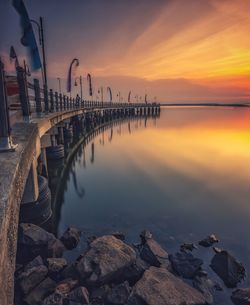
{"type": "Point", "coordinates": [205, 104]}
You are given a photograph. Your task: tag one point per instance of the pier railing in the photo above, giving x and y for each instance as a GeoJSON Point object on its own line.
{"type": "Point", "coordinates": [34, 101]}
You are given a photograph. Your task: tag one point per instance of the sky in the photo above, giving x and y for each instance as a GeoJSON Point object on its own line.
{"type": "Point", "coordinates": [175, 50]}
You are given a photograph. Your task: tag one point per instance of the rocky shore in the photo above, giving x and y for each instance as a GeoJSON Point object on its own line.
{"type": "Point", "coordinates": [111, 272]}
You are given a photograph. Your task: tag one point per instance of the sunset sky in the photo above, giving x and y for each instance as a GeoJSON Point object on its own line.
{"type": "Point", "coordinates": [177, 50]}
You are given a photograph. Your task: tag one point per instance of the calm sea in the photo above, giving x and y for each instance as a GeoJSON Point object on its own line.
{"type": "Point", "coordinates": [183, 176]}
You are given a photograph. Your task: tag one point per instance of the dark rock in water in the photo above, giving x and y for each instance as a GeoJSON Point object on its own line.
{"type": "Point", "coordinates": [119, 235]}
{"type": "Point", "coordinates": [32, 241]}
{"type": "Point", "coordinates": [66, 286]}
{"type": "Point", "coordinates": [119, 294]}
{"type": "Point", "coordinates": [136, 270]}
{"type": "Point", "coordinates": [145, 235]}
{"type": "Point", "coordinates": [79, 296]}
{"type": "Point", "coordinates": [185, 264]}
{"type": "Point", "coordinates": [71, 238]}
{"type": "Point", "coordinates": [228, 268]}
{"type": "Point", "coordinates": [154, 254]}
{"type": "Point", "coordinates": [54, 299]}
{"type": "Point", "coordinates": [31, 277]}
{"type": "Point", "coordinates": [241, 296]}
{"type": "Point", "coordinates": [99, 294]}
{"type": "Point", "coordinates": [40, 292]}
{"type": "Point", "coordinates": [70, 271]}
{"type": "Point", "coordinates": [106, 261]}
{"type": "Point", "coordinates": [37, 261]}
{"type": "Point", "coordinates": [160, 287]}
{"type": "Point", "coordinates": [55, 266]}
{"type": "Point", "coordinates": [209, 241]}
{"type": "Point", "coordinates": [206, 287]}
{"type": "Point", "coordinates": [187, 247]}
{"type": "Point", "coordinates": [55, 248]}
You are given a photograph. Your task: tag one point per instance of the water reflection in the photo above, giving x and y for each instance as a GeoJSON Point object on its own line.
{"type": "Point", "coordinates": [183, 176]}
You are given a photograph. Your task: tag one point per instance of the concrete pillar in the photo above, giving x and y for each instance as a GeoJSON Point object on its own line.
{"type": "Point", "coordinates": [31, 190]}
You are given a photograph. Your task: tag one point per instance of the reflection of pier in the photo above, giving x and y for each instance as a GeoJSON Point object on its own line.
{"type": "Point", "coordinates": [76, 156]}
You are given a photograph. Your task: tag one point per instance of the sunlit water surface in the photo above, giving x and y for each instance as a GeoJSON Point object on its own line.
{"type": "Point", "coordinates": [183, 176]}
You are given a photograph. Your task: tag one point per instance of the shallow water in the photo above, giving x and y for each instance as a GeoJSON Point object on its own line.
{"type": "Point", "coordinates": [183, 176]}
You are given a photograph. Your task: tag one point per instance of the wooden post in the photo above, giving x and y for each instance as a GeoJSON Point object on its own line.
{"type": "Point", "coordinates": [23, 92]}
{"type": "Point", "coordinates": [51, 95]}
{"type": "Point", "coordinates": [56, 101]}
{"type": "Point", "coordinates": [46, 99]}
{"type": "Point", "coordinates": [5, 134]}
{"type": "Point", "coordinates": [60, 99]}
{"type": "Point", "coordinates": [64, 102]}
{"type": "Point", "coordinates": [38, 100]}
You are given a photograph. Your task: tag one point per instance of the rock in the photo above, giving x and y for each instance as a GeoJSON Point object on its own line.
{"type": "Point", "coordinates": [65, 286]}
{"type": "Point", "coordinates": [206, 287]}
{"type": "Point", "coordinates": [55, 248]}
{"type": "Point", "coordinates": [160, 287]}
{"type": "Point", "coordinates": [119, 294]}
{"type": "Point", "coordinates": [90, 239]}
{"type": "Point", "coordinates": [37, 261]}
{"type": "Point", "coordinates": [79, 296]}
{"type": "Point", "coordinates": [185, 264]}
{"type": "Point", "coordinates": [153, 254]}
{"type": "Point", "coordinates": [71, 238]}
{"type": "Point", "coordinates": [105, 261]}
{"type": "Point", "coordinates": [136, 270]}
{"type": "Point", "coordinates": [209, 241]}
{"type": "Point", "coordinates": [32, 241]}
{"type": "Point", "coordinates": [119, 235]}
{"type": "Point", "coordinates": [31, 277]}
{"type": "Point", "coordinates": [241, 296]}
{"type": "Point", "coordinates": [55, 266]}
{"type": "Point", "coordinates": [187, 247]}
{"type": "Point", "coordinates": [70, 271]}
{"type": "Point", "coordinates": [55, 299]}
{"type": "Point", "coordinates": [99, 294]}
{"type": "Point", "coordinates": [40, 292]}
{"type": "Point", "coordinates": [228, 268]}
{"type": "Point", "coordinates": [145, 235]}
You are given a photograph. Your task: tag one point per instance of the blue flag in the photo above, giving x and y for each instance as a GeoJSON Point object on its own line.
{"type": "Point", "coordinates": [28, 39]}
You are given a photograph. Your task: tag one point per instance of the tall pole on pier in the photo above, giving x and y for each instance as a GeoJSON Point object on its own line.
{"type": "Point", "coordinates": [44, 57]}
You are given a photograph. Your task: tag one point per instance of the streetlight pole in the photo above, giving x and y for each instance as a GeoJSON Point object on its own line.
{"type": "Point", "coordinates": [80, 80]}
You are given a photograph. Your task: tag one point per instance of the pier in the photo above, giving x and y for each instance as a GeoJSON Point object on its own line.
{"type": "Point", "coordinates": [29, 134]}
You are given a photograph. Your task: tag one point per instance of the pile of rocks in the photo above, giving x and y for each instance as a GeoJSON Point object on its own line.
{"type": "Point", "coordinates": [111, 272]}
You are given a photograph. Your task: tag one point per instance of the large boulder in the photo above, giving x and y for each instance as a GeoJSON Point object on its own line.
{"type": "Point", "coordinates": [106, 261]}
{"type": "Point", "coordinates": [71, 238]}
{"type": "Point", "coordinates": [228, 268]}
{"type": "Point", "coordinates": [241, 296]}
{"type": "Point", "coordinates": [119, 294]}
{"type": "Point", "coordinates": [160, 287]}
{"type": "Point", "coordinates": [34, 241]}
{"type": "Point", "coordinates": [185, 264]}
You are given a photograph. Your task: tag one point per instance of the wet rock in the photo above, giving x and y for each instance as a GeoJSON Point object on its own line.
{"type": "Point", "coordinates": [55, 266]}
{"type": "Point", "coordinates": [40, 292]}
{"type": "Point", "coordinates": [187, 247]}
{"type": "Point", "coordinates": [99, 294]}
{"type": "Point", "coordinates": [55, 248]}
{"type": "Point", "coordinates": [105, 261]}
{"type": "Point", "coordinates": [31, 277]}
{"type": "Point", "coordinates": [71, 238]}
{"type": "Point", "coordinates": [65, 286]}
{"type": "Point", "coordinates": [136, 270]}
{"type": "Point", "coordinates": [241, 296]}
{"type": "Point", "coordinates": [70, 271]}
{"type": "Point", "coordinates": [119, 235]}
{"type": "Point", "coordinates": [206, 287]}
{"type": "Point", "coordinates": [228, 268]}
{"type": "Point", "coordinates": [154, 254]}
{"type": "Point", "coordinates": [79, 296]}
{"type": "Point", "coordinates": [145, 235]}
{"type": "Point", "coordinates": [160, 287]}
{"type": "Point", "coordinates": [119, 294]}
{"type": "Point", "coordinates": [37, 261]}
{"type": "Point", "coordinates": [90, 239]}
{"type": "Point", "coordinates": [185, 264]}
{"type": "Point", "coordinates": [209, 241]}
{"type": "Point", "coordinates": [55, 299]}
{"type": "Point", "coordinates": [32, 241]}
